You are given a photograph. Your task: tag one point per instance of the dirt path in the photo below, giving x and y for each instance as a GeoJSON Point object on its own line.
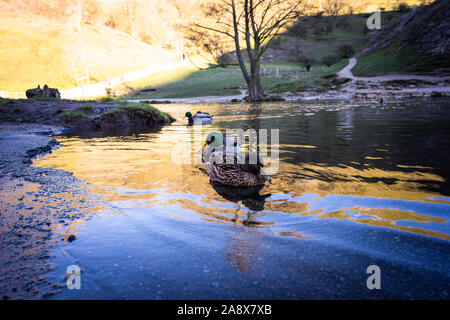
{"type": "Point", "coordinates": [205, 99]}
{"type": "Point", "coordinates": [99, 89]}
{"type": "Point", "coordinates": [347, 73]}
{"type": "Point", "coordinates": [383, 87]}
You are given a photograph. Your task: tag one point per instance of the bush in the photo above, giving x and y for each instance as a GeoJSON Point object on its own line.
{"type": "Point", "coordinates": [329, 28]}
{"type": "Point", "coordinates": [224, 60]}
{"type": "Point", "coordinates": [300, 30]}
{"type": "Point", "coordinates": [306, 62]}
{"type": "Point", "coordinates": [276, 41]}
{"type": "Point", "coordinates": [330, 60]}
{"type": "Point", "coordinates": [346, 51]}
{"type": "Point", "coordinates": [318, 30]}
{"type": "Point", "coordinates": [403, 7]}
{"type": "Point", "coordinates": [319, 15]}
{"type": "Point", "coordinates": [343, 22]}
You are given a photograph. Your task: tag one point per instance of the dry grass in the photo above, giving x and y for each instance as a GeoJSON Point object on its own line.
{"type": "Point", "coordinates": [35, 50]}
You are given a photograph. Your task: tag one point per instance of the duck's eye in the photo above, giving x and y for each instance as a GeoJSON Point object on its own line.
{"type": "Point", "coordinates": [212, 139]}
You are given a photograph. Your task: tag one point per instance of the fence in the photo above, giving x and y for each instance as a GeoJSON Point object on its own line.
{"type": "Point", "coordinates": [100, 88]}
{"type": "Point", "coordinates": [12, 95]}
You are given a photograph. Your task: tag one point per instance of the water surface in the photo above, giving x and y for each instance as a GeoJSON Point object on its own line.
{"type": "Point", "coordinates": [358, 184]}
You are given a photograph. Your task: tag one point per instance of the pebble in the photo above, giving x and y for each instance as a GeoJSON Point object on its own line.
{"type": "Point", "coordinates": [71, 238]}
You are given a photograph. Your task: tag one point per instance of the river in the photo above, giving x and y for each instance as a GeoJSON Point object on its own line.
{"type": "Point", "coordinates": [354, 185]}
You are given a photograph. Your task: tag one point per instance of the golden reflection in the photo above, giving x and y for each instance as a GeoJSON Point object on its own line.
{"type": "Point", "coordinates": [292, 234]}
{"type": "Point", "coordinates": [385, 222]}
{"type": "Point", "coordinates": [242, 247]}
{"type": "Point", "coordinates": [349, 180]}
{"type": "Point", "coordinates": [142, 168]}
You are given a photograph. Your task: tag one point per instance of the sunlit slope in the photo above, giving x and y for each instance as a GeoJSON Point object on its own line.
{"type": "Point", "coordinates": [35, 50]}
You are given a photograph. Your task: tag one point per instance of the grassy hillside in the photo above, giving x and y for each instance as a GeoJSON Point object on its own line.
{"type": "Point", "coordinates": [312, 39]}
{"type": "Point", "coordinates": [416, 42]}
{"type": "Point", "coordinates": [35, 50]}
{"type": "Point", "coordinates": [190, 82]}
{"type": "Point", "coordinates": [405, 61]}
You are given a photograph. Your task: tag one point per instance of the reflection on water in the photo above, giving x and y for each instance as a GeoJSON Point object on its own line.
{"type": "Point", "coordinates": [341, 166]}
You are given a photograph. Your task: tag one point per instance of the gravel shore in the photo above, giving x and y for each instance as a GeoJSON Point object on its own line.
{"type": "Point", "coordinates": [36, 206]}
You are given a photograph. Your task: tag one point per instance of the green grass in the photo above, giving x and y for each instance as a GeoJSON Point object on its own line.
{"type": "Point", "coordinates": [407, 60]}
{"type": "Point", "coordinates": [319, 79]}
{"type": "Point", "coordinates": [86, 109]}
{"type": "Point", "coordinates": [5, 103]}
{"type": "Point", "coordinates": [188, 82]}
{"type": "Point", "coordinates": [222, 81]}
{"type": "Point", "coordinates": [142, 106]}
{"type": "Point", "coordinates": [70, 116]}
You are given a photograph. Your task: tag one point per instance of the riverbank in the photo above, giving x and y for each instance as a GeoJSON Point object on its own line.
{"type": "Point", "coordinates": [104, 116]}
{"type": "Point", "coordinates": [37, 207]}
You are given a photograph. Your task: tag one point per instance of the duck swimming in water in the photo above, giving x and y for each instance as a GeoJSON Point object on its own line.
{"type": "Point", "coordinates": [228, 166]}
{"type": "Point", "coordinates": [217, 142]}
{"type": "Point", "coordinates": [199, 118]}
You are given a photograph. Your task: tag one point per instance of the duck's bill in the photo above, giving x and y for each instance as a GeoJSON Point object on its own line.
{"type": "Point", "coordinates": [264, 174]}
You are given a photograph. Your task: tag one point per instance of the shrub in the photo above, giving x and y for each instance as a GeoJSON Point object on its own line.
{"type": "Point", "coordinates": [346, 51]}
{"type": "Point", "coordinates": [330, 60]}
{"type": "Point", "coordinates": [70, 116]}
{"type": "Point", "coordinates": [343, 22]}
{"type": "Point", "coordinates": [318, 30]}
{"type": "Point", "coordinates": [224, 60]}
{"type": "Point", "coordinates": [319, 15]}
{"type": "Point", "coordinates": [403, 7]}
{"type": "Point", "coordinates": [299, 29]}
{"type": "Point", "coordinates": [306, 62]}
{"type": "Point", "coordinates": [86, 109]}
{"type": "Point", "coordinates": [329, 28]}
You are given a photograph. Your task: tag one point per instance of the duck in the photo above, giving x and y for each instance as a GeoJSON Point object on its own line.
{"type": "Point", "coordinates": [227, 165]}
{"type": "Point", "coordinates": [199, 118]}
{"type": "Point", "coordinates": [215, 142]}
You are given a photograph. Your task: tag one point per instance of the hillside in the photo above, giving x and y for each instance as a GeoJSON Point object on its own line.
{"type": "Point", "coordinates": [36, 50]}
{"type": "Point", "coordinates": [311, 38]}
{"type": "Point", "coordinates": [417, 42]}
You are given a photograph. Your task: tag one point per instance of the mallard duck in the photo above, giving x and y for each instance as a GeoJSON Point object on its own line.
{"type": "Point", "coordinates": [199, 118]}
{"type": "Point", "coordinates": [225, 164]}
{"type": "Point", "coordinates": [216, 142]}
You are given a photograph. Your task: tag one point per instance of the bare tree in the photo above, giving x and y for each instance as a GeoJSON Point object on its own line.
{"type": "Point", "coordinates": [130, 14]}
{"type": "Point", "coordinates": [213, 44]}
{"type": "Point", "coordinates": [334, 7]}
{"type": "Point", "coordinates": [256, 22]}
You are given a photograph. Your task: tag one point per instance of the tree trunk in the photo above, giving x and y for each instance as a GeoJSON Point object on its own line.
{"type": "Point", "coordinates": [255, 91]}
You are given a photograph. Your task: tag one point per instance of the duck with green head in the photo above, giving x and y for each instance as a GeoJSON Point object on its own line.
{"type": "Point", "coordinates": [200, 118]}
{"type": "Point", "coordinates": [227, 165]}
